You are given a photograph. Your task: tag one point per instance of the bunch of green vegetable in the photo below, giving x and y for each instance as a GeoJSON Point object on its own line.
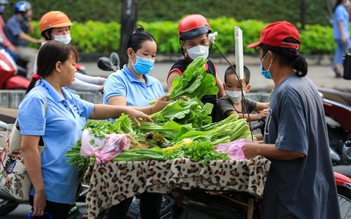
{"type": "Point", "coordinates": [140, 155]}
{"type": "Point", "coordinates": [184, 118]}
{"type": "Point", "coordinates": [75, 158]}
{"type": "Point", "coordinates": [122, 125]}
{"type": "Point", "coordinates": [185, 111]}
{"type": "Point", "coordinates": [195, 82]}
{"type": "Point", "coordinates": [227, 130]}
{"type": "Point", "coordinates": [198, 150]}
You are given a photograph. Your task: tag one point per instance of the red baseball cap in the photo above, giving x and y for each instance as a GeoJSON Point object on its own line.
{"type": "Point", "coordinates": [275, 33]}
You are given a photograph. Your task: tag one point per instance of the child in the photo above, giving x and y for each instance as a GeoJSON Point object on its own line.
{"type": "Point", "coordinates": [232, 102]}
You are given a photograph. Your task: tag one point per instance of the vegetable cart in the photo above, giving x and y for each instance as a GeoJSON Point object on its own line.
{"type": "Point", "coordinates": [112, 182]}
{"type": "Point", "coordinates": [185, 157]}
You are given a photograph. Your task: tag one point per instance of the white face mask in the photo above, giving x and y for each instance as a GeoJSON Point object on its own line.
{"type": "Point", "coordinates": [63, 38]}
{"type": "Point", "coordinates": [197, 51]}
{"type": "Point", "coordinates": [347, 3]}
{"type": "Point", "coordinates": [234, 96]}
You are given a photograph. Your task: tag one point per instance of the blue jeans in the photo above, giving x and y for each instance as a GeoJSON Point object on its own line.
{"type": "Point", "coordinates": [340, 49]}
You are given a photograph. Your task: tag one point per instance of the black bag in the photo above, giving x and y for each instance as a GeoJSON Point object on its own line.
{"type": "Point", "coordinates": [347, 66]}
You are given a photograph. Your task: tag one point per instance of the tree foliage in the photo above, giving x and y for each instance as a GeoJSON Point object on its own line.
{"type": "Point", "coordinates": [170, 10]}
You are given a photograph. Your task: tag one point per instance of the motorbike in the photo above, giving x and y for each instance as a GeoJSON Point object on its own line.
{"type": "Point", "coordinates": [337, 107]}
{"type": "Point", "coordinates": [109, 64]}
{"type": "Point", "coordinates": [8, 70]}
{"type": "Point", "coordinates": [14, 73]}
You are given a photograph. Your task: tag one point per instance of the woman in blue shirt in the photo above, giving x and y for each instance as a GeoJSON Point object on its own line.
{"type": "Point", "coordinates": [341, 33]}
{"type": "Point", "coordinates": [132, 86]}
{"type": "Point", "coordinates": [51, 111]}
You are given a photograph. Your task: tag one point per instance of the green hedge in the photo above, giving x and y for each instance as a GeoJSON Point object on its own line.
{"type": "Point", "coordinates": [93, 36]}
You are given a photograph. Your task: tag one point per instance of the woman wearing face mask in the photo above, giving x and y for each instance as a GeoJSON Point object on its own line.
{"type": "Point", "coordinates": [55, 25]}
{"type": "Point", "coordinates": [193, 33]}
{"type": "Point", "coordinates": [232, 102]}
{"type": "Point", "coordinates": [132, 86]}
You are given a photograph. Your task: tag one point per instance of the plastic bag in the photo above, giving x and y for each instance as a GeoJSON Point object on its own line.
{"type": "Point", "coordinates": [106, 149]}
{"type": "Point", "coordinates": [233, 149]}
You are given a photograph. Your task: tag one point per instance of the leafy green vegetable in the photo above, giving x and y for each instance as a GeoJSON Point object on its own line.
{"type": "Point", "coordinates": [75, 158]}
{"type": "Point", "coordinates": [140, 155]}
{"type": "Point", "coordinates": [224, 131]}
{"type": "Point", "coordinates": [122, 125]}
{"type": "Point", "coordinates": [198, 150]}
{"type": "Point", "coordinates": [168, 129]}
{"type": "Point", "coordinates": [195, 82]}
{"type": "Point", "coordinates": [185, 111]}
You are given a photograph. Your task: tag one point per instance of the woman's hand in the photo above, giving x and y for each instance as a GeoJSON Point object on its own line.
{"type": "Point", "coordinates": [134, 115]}
{"type": "Point", "coordinates": [160, 104]}
{"type": "Point", "coordinates": [39, 203]}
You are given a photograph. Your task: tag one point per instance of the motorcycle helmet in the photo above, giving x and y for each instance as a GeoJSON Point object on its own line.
{"type": "Point", "coordinates": [193, 26]}
{"type": "Point", "coordinates": [4, 2]}
{"type": "Point", "coordinates": [53, 19]}
{"type": "Point", "coordinates": [22, 6]}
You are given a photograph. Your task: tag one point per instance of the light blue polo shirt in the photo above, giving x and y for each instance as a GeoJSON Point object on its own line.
{"type": "Point", "coordinates": [341, 14]}
{"type": "Point", "coordinates": [61, 125]}
{"type": "Point", "coordinates": [124, 83]}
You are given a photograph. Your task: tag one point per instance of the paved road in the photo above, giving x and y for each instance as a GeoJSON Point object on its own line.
{"type": "Point", "coordinates": [321, 75]}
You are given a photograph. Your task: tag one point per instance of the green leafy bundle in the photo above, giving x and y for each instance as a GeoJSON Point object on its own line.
{"type": "Point", "coordinates": [185, 111]}
{"type": "Point", "coordinates": [122, 125]}
{"type": "Point", "coordinates": [198, 150]}
{"type": "Point", "coordinates": [195, 82]}
{"type": "Point", "coordinates": [227, 130]}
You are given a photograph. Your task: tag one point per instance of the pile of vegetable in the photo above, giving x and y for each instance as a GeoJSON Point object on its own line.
{"type": "Point", "coordinates": [195, 82]}
{"type": "Point", "coordinates": [183, 129]}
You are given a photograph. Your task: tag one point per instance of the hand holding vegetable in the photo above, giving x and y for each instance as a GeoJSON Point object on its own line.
{"type": "Point", "coordinates": [135, 114]}
{"type": "Point", "coordinates": [160, 104]}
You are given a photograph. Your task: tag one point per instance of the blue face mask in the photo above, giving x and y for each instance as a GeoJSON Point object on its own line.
{"type": "Point", "coordinates": [143, 66]}
{"type": "Point", "coordinates": [265, 73]}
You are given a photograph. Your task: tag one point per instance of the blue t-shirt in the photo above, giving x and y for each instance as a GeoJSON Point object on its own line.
{"type": "Point", "coordinates": [60, 124]}
{"type": "Point", "coordinates": [124, 83]}
{"type": "Point", "coordinates": [341, 14]}
{"type": "Point", "coordinates": [304, 187]}
{"type": "Point", "coordinates": [14, 26]}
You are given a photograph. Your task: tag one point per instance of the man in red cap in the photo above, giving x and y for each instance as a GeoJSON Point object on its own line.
{"type": "Point", "coordinates": [300, 183]}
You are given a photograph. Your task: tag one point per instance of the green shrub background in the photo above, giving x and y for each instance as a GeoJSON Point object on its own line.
{"type": "Point", "coordinates": [99, 37]}
{"type": "Point", "coordinates": [97, 29]}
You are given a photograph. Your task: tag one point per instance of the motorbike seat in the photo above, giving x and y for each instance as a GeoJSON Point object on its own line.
{"type": "Point", "coordinates": [336, 95]}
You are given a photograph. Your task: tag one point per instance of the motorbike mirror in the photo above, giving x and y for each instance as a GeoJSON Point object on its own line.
{"type": "Point", "coordinates": [105, 64]}
{"type": "Point", "coordinates": [114, 58]}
